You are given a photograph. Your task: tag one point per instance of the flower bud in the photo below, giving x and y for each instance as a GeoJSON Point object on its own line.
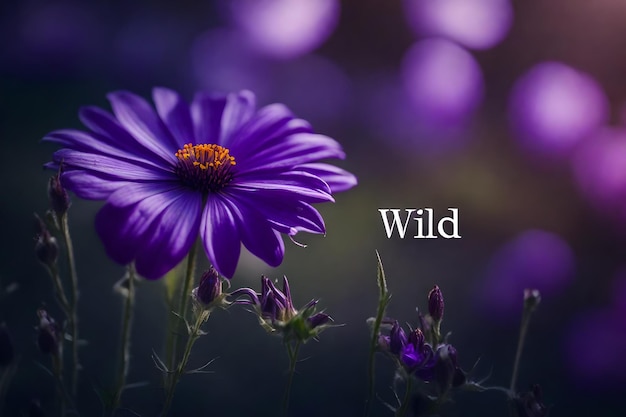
{"type": "Point", "coordinates": [7, 352]}
{"type": "Point", "coordinates": [435, 304]}
{"type": "Point", "coordinates": [209, 288]}
{"type": "Point", "coordinates": [49, 337]}
{"type": "Point", "coordinates": [416, 338]}
{"type": "Point", "coordinates": [397, 339]}
{"type": "Point", "coordinates": [46, 248]}
{"type": "Point", "coordinates": [59, 199]}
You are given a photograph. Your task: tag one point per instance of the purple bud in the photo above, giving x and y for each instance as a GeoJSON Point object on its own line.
{"type": "Point", "coordinates": [49, 335]}
{"type": "Point", "coordinates": [319, 319]}
{"type": "Point", "coordinates": [435, 304]}
{"type": "Point", "coordinates": [416, 338]}
{"type": "Point", "coordinates": [209, 288]}
{"type": "Point", "coordinates": [46, 248]}
{"type": "Point", "coordinates": [59, 199]}
{"type": "Point", "coordinates": [397, 339]}
{"type": "Point", "coordinates": [7, 352]}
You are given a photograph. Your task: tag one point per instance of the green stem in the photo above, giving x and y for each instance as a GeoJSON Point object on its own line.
{"type": "Point", "coordinates": [383, 301]}
{"type": "Point", "coordinates": [293, 359]}
{"type": "Point", "coordinates": [174, 336]}
{"type": "Point", "coordinates": [59, 294]}
{"type": "Point", "coordinates": [124, 358]}
{"type": "Point", "coordinates": [407, 397]}
{"type": "Point", "coordinates": [526, 315]}
{"type": "Point", "coordinates": [73, 312]}
{"type": "Point", "coordinates": [180, 368]}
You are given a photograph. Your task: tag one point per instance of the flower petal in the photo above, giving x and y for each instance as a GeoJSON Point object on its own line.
{"type": "Point", "coordinates": [337, 179]}
{"type": "Point", "coordinates": [90, 185]}
{"type": "Point", "coordinates": [220, 235]}
{"type": "Point", "coordinates": [175, 113]}
{"type": "Point", "coordinates": [94, 143]}
{"type": "Point", "coordinates": [269, 126]}
{"type": "Point", "coordinates": [293, 150]}
{"type": "Point", "coordinates": [132, 231]}
{"type": "Point", "coordinates": [170, 237]}
{"type": "Point", "coordinates": [287, 215]}
{"type": "Point", "coordinates": [138, 117]}
{"type": "Point", "coordinates": [258, 236]}
{"type": "Point", "coordinates": [239, 109]}
{"type": "Point", "coordinates": [304, 185]}
{"type": "Point", "coordinates": [110, 130]}
{"type": "Point", "coordinates": [161, 194]}
{"type": "Point", "coordinates": [115, 168]}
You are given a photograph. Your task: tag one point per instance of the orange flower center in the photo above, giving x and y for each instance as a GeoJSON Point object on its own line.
{"type": "Point", "coordinates": [205, 167]}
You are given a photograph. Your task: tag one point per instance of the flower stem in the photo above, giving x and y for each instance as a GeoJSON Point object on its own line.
{"type": "Point", "coordinates": [173, 338]}
{"type": "Point", "coordinates": [73, 313]}
{"type": "Point", "coordinates": [407, 397]}
{"type": "Point", "coordinates": [124, 358]}
{"type": "Point", "coordinates": [195, 333]}
{"type": "Point", "coordinates": [530, 303]}
{"type": "Point", "coordinates": [57, 369]}
{"type": "Point", "coordinates": [292, 352]}
{"type": "Point", "coordinates": [383, 301]}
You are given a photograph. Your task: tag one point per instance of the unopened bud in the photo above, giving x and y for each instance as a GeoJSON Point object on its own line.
{"type": "Point", "coordinates": [435, 304]}
{"type": "Point", "coordinates": [209, 288]}
{"type": "Point", "coordinates": [59, 199]}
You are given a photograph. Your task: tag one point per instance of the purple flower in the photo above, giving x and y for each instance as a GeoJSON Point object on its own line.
{"type": "Point", "coordinates": [277, 313]}
{"type": "Point", "coordinates": [218, 168]}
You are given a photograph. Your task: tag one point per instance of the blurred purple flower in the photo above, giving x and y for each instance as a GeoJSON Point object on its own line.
{"type": "Point", "coordinates": [533, 259]}
{"type": "Point", "coordinates": [411, 352]}
{"type": "Point", "coordinates": [601, 173]}
{"type": "Point", "coordinates": [218, 167]}
{"type": "Point", "coordinates": [553, 106]}
{"type": "Point", "coordinates": [285, 28]}
{"type": "Point", "coordinates": [444, 83]}
{"type": "Point", "coordinates": [476, 24]}
{"type": "Point", "coordinates": [389, 114]}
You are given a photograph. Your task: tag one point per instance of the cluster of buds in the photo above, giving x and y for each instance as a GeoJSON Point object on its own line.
{"type": "Point", "coordinates": [277, 313]}
{"type": "Point", "coordinates": [422, 352]}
